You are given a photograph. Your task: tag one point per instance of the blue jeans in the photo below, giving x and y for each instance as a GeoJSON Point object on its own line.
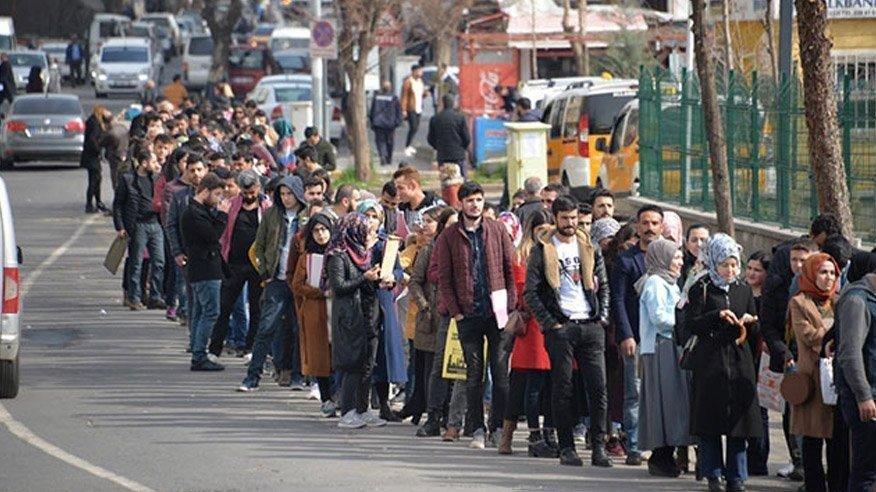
{"type": "Point", "coordinates": [147, 235]}
{"type": "Point", "coordinates": [276, 304]}
{"type": "Point", "coordinates": [182, 291]}
{"type": "Point", "coordinates": [205, 311]}
{"type": "Point", "coordinates": [712, 459]}
{"type": "Point", "coordinates": [631, 403]}
{"type": "Point", "coordinates": [239, 321]}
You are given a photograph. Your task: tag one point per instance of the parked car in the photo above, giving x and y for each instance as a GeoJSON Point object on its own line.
{"type": "Point", "coordinates": [123, 66]}
{"type": "Point", "coordinates": [148, 31]}
{"type": "Point", "coordinates": [42, 126]}
{"type": "Point", "coordinates": [246, 67]}
{"type": "Point", "coordinates": [59, 51]}
{"type": "Point", "coordinates": [167, 27]}
{"type": "Point", "coordinates": [22, 60]}
{"type": "Point", "coordinates": [290, 96]}
{"type": "Point", "coordinates": [619, 169]}
{"type": "Point", "coordinates": [196, 61]}
{"type": "Point", "coordinates": [10, 308]}
{"type": "Point", "coordinates": [293, 61]}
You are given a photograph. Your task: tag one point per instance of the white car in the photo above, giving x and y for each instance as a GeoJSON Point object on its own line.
{"type": "Point", "coordinates": [196, 61]}
{"type": "Point", "coordinates": [21, 62]}
{"type": "Point", "coordinates": [10, 309]}
{"type": "Point", "coordinates": [290, 96]}
{"type": "Point", "coordinates": [123, 66]}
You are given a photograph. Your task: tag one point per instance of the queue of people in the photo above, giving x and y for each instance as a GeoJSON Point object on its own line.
{"type": "Point", "coordinates": [621, 338]}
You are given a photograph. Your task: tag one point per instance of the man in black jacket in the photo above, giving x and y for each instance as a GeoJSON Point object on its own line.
{"type": "Point", "coordinates": [202, 225]}
{"type": "Point", "coordinates": [448, 134]}
{"type": "Point", "coordinates": [385, 117]}
{"type": "Point", "coordinates": [567, 290]}
{"type": "Point", "coordinates": [134, 218]}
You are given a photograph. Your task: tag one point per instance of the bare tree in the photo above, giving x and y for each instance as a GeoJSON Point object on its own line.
{"type": "Point", "coordinates": [767, 23]}
{"type": "Point", "coordinates": [579, 46]}
{"type": "Point", "coordinates": [440, 20]}
{"type": "Point", "coordinates": [704, 42]}
{"type": "Point", "coordinates": [221, 17]}
{"type": "Point", "coordinates": [825, 151]}
{"type": "Point", "coordinates": [358, 26]}
{"type": "Point", "coordinates": [728, 43]}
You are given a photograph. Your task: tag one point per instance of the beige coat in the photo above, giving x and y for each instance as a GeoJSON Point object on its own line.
{"type": "Point", "coordinates": [813, 418]}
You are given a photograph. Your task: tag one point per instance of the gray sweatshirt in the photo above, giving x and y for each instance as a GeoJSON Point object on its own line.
{"type": "Point", "coordinates": [855, 316]}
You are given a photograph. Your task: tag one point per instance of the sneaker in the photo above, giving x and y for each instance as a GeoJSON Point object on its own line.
{"type": "Point", "coordinates": [371, 420]}
{"type": "Point", "coordinates": [579, 433]}
{"type": "Point", "coordinates": [477, 440]}
{"type": "Point", "coordinates": [328, 409]}
{"type": "Point", "coordinates": [634, 459]}
{"type": "Point", "coordinates": [207, 365]}
{"type": "Point", "coordinates": [569, 457]}
{"type": "Point", "coordinates": [170, 314]}
{"type": "Point", "coordinates": [785, 471]}
{"type": "Point", "coordinates": [410, 151]}
{"type": "Point", "coordinates": [248, 386]}
{"type": "Point", "coordinates": [297, 385]}
{"type": "Point", "coordinates": [213, 358]}
{"type": "Point", "coordinates": [314, 393]}
{"type": "Point", "coordinates": [430, 428]}
{"type": "Point", "coordinates": [137, 306]}
{"type": "Point", "coordinates": [494, 438]}
{"type": "Point", "coordinates": [351, 420]}
{"type": "Point", "coordinates": [247, 358]}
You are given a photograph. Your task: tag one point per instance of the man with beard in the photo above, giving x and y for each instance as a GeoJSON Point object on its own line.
{"type": "Point", "coordinates": [567, 290]}
{"type": "Point", "coordinates": [628, 268]}
{"type": "Point", "coordinates": [346, 201]}
{"type": "Point", "coordinates": [412, 199]}
{"type": "Point", "coordinates": [474, 260]}
{"type": "Point", "coordinates": [244, 214]}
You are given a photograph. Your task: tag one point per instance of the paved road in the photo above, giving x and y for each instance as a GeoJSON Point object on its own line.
{"type": "Point", "coordinates": [107, 401]}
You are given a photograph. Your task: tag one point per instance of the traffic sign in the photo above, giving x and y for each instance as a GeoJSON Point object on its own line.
{"type": "Point", "coordinates": [323, 39]}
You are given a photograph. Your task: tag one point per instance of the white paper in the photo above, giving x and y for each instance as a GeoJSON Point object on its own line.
{"type": "Point", "coordinates": [499, 299]}
{"type": "Point", "coordinates": [314, 269]}
{"type": "Point", "coordinates": [390, 255]}
{"type": "Point", "coordinates": [768, 383]}
{"type": "Point", "coordinates": [828, 389]}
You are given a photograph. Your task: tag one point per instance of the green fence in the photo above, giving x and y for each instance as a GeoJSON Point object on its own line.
{"type": "Point", "coordinates": [767, 146]}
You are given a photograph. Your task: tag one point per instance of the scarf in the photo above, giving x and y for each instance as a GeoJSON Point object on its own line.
{"type": "Point", "coordinates": [658, 260]}
{"type": "Point", "coordinates": [808, 276]}
{"type": "Point", "coordinates": [512, 225]}
{"type": "Point", "coordinates": [672, 228]}
{"type": "Point", "coordinates": [719, 248]}
{"type": "Point", "coordinates": [603, 228]}
{"type": "Point", "coordinates": [350, 237]}
{"type": "Point", "coordinates": [310, 246]}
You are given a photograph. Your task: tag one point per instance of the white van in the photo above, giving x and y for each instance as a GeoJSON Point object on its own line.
{"type": "Point", "coordinates": [196, 61]}
{"type": "Point", "coordinates": [166, 21]}
{"type": "Point", "coordinates": [10, 308]}
{"type": "Point", "coordinates": [123, 66]}
{"type": "Point", "coordinates": [7, 34]}
{"type": "Point", "coordinates": [103, 27]}
{"type": "Point", "coordinates": [286, 38]}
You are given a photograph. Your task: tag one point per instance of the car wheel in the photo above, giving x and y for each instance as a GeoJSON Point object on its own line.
{"type": "Point", "coordinates": [9, 378]}
{"type": "Point", "coordinates": [7, 163]}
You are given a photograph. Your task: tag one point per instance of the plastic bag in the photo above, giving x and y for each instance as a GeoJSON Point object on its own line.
{"type": "Point", "coordinates": [768, 384]}
{"type": "Point", "coordinates": [828, 389]}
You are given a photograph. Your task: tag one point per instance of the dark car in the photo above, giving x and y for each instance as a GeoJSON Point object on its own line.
{"type": "Point", "coordinates": [246, 66]}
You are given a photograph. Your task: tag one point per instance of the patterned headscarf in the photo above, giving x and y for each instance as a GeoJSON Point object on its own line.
{"type": "Point", "coordinates": [512, 225]}
{"type": "Point", "coordinates": [351, 237]}
{"type": "Point", "coordinates": [658, 260]}
{"type": "Point", "coordinates": [809, 273]}
{"type": "Point", "coordinates": [673, 228]}
{"type": "Point", "coordinates": [716, 251]}
{"type": "Point", "coordinates": [603, 228]}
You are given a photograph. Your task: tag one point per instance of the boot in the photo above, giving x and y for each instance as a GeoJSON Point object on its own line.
{"type": "Point", "coordinates": [569, 457]}
{"type": "Point", "coordinates": [284, 378]}
{"type": "Point", "coordinates": [431, 428]}
{"type": "Point", "coordinates": [539, 448]}
{"type": "Point", "coordinates": [599, 456]}
{"type": "Point", "coordinates": [550, 438]}
{"type": "Point", "coordinates": [508, 427]}
{"type": "Point", "coordinates": [451, 434]}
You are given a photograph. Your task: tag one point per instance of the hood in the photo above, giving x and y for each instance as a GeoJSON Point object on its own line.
{"type": "Point", "coordinates": [545, 232]}
{"type": "Point", "coordinates": [293, 183]}
{"type": "Point", "coordinates": [867, 284]}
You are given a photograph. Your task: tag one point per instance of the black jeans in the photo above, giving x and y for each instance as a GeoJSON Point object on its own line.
{"type": "Point", "coordinates": [231, 288]}
{"type": "Point", "coordinates": [76, 71]}
{"type": "Point", "coordinates": [423, 360]}
{"type": "Point", "coordinates": [384, 140]}
{"type": "Point", "coordinates": [472, 331]}
{"type": "Point", "coordinates": [585, 343]}
{"type": "Point", "coordinates": [437, 394]}
{"type": "Point", "coordinates": [758, 449]}
{"type": "Point", "coordinates": [413, 126]}
{"type": "Point", "coordinates": [837, 477]}
{"type": "Point", "coordinates": [92, 193]}
{"type": "Point", "coordinates": [356, 384]}
{"type": "Point", "coordinates": [863, 434]}
{"type": "Point", "coordinates": [529, 393]}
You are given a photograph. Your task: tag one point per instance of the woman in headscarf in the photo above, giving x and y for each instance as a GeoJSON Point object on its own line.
{"type": "Point", "coordinates": [602, 231]}
{"type": "Point", "coordinates": [96, 127]}
{"type": "Point", "coordinates": [285, 143]}
{"type": "Point", "coordinates": [353, 282]}
{"type": "Point", "coordinates": [390, 365]}
{"type": "Point", "coordinates": [512, 226]}
{"type": "Point", "coordinates": [311, 307]}
{"type": "Point", "coordinates": [811, 314]}
{"type": "Point", "coordinates": [719, 312]}
{"type": "Point", "coordinates": [34, 80]}
{"type": "Point", "coordinates": [664, 398]}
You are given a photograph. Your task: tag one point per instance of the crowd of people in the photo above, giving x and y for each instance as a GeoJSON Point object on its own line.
{"type": "Point", "coordinates": [622, 338]}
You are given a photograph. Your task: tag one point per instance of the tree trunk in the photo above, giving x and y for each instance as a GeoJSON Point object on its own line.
{"type": "Point", "coordinates": [386, 57]}
{"type": "Point", "coordinates": [703, 46]}
{"type": "Point", "coordinates": [221, 50]}
{"type": "Point", "coordinates": [771, 46]}
{"type": "Point", "coordinates": [728, 44]}
{"type": "Point", "coordinates": [825, 151]}
{"type": "Point", "coordinates": [358, 129]}
{"type": "Point", "coordinates": [581, 53]}
{"type": "Point", "coordinates": [578, 48]}
{"type": "Point", "coordinates": [221, 26]}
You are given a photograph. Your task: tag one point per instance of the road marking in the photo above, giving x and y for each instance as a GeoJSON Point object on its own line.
{"type": "Point", "coordinates": [20, 430]}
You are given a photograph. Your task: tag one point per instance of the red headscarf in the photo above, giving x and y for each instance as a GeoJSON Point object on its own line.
{"type": "Point", "coordinates": [810, 272]}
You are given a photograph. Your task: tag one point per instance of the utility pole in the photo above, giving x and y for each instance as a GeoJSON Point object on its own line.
{"type": "Point", "coordinates": [316, 72]}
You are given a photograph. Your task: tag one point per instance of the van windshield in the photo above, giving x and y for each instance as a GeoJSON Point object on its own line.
{"type": "Point", "coordinates": [245, 59]}
{"type": "Point", "coordinates": [201, 46]}
{"type": "Point", "coordinates": [124, 54]}
{"type": "Point", "coordinates": [603, 108]}
{"type": "Point", "coordinates": [161, 21]}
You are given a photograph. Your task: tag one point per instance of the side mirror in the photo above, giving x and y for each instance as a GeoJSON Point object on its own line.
{"type": "Point", "coordinates": [600, 144]}
{"type": "Point", "coordinates": [19, 255]}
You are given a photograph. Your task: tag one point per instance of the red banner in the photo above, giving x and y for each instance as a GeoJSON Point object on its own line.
{"type": "Point", "coordinates": [479, 74]}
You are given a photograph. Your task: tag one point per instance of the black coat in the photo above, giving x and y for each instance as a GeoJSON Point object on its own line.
{"type": "Point", "coordinates": [94, 136]}
{"type": "Point", "coordinates": [354, 313]}
{"type": "Point", "coordinates": [448, 135]}
{"type": "Point", "coordinates": [201, 228]}
{"type": "Point", "coordinates": [126, 202]}
{"type": "Point", "coordinates": [7, 78]}
{"type": "Point", "coordinates": [724, 398]}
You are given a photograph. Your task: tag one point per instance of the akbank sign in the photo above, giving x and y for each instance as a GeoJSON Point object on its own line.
{"type": "Point", "coordinates": [851, 9]}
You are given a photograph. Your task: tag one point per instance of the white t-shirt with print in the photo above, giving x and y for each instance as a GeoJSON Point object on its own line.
{"type": "Point", "coordinates": [573, 303]}
{"type": "Point", "coordinates": [418, 87]}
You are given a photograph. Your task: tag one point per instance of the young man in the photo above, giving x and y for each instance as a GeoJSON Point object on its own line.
{"type": "Point", "coordinates": [389, 202]}
{"type": "Point", "coordinates": [307, 164]}
{"type": "Point", "coordinates": [176, 204]}
{"type": "Point", "coordinates": [412, 94]}
{"type": "Point", "coordinates": [474, 259]}
{"type": "Point", "coordinates": [412, 199]}
{"type": "Point", "coordinates": [202, 224]}
{"type": "Point", "coordinates": [134, 217]}
{"type": "Point", "coordinates": [313, 190]}
{"type": "Point", "coordinates": [346, 200]}
{"type": "Point", "coordinates": [567, 290]}
{"type": "Point", "coordinates": [324, 151]}
{"type": "Point", "coordinates": [629, 267]}
{"type": "Point", "coordinates": [244, 214]}
{"type": "Point", "coordinates": [272, 247]}
{"type": "Point", "coordinates": [603, 204]}
{"type": "Point", "coordinates": [585, 217]}
{"type": "Point", "coordinates": [550, 193]}
{"type": "Point", "coordinates": [524, 113]}
{"type": "Point", "coordinates": [385, 116]}
{"type": "Point", "coordinates": [448, 135]}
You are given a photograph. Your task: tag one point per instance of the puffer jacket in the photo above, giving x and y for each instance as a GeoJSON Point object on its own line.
{"type": "Point", "coordinates": [542, 290]}
{"type": "Point", "coordinates": [354, 312]}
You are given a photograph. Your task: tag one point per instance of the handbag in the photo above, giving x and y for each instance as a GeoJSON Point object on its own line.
{"type": "Point", "coordinates": [796, 388]}
{"type": "Point", "coordinates": [516, 324]}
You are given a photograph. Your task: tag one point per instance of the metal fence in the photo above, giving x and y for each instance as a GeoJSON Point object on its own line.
{"type": "Point", "coordinates": [766, 137]}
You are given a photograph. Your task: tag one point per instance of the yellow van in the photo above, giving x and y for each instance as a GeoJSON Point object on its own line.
{"type": "Point", "coordinates": [578, 118]}
{"type": "Point", "coordinates": [619, 169]}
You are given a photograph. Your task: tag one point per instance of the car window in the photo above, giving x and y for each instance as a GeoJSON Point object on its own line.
{"type": "Point", "coordinates": [50, 105]}
{"type": "Point", "coordinates": [124, 54]}
{"type": "Point", "coordinates": [246, 59]}
{"type": "Point", "coordinates": [202, 46]}
{"type": "Point", "coordinates": [570, 120]}
{"type": "Point", "coordinates": [107, 29]}
{"type": "Point", "coordinates": [603, 108]}
{"type": "Point", "coordinates": [293, 93]}
{"type": "Point", "coordinates": [138, 32]}
{"type": "Point", "coordinates": [161, 21]}
{"type": "Point", "coordinates": [27, 60]}
{"type": "Point", "coordinates": [557, 118]}
{"type": "Point", "coordinates": [278, 44]}
{"type": "Point", "coordinates": [631, 131]}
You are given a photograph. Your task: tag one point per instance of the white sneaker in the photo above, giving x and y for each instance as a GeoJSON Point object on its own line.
{"type": "Point", "coordinates": [371, 420]}
{"type": "Point", "coordinates": [329, 409]}
{"type": "Point", "coordinates": [212, 358]}
{"type": "Point", "coordinates": [351, 420]}
{"type": "Point", "coordinates": [477, 440]}
{"type": "Point", "coordinates": [247, 358]}
{"type": "Point", "coordinates": [785, 470]}
{"type": "Point", "coordinates": [314, 393]}
{"type": "Point", "coordinates": [580, 434]}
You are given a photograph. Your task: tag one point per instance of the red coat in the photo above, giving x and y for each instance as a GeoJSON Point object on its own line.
{"type": "Point", "coordinates": [529, 351]}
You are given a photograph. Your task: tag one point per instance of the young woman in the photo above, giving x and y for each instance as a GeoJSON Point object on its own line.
{"type": "Point", "coordinates": [390, 365]}
{"type": "Point", "coordinates": [529, 387]}
{"type": "Point", "coordinates": [664, 399]}
{"type": "Point", "coordinates": [353, 282]}
{"type": "Point", "coordinates": [811, 314]}
{"type": "Point", "coordinates": [95, 127]}
{"type": "Point", "coordinates": [724, 398]}
{"type": "Point", "coordinates": [423, 295]}
{"type": "Point", "coordinates": [311, 307]}
{"type": "Point", "coordinates": [758, 448]}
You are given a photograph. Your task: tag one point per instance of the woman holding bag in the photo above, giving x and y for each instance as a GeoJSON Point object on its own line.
{"type": "Point", "coordinates": [811, 315]}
